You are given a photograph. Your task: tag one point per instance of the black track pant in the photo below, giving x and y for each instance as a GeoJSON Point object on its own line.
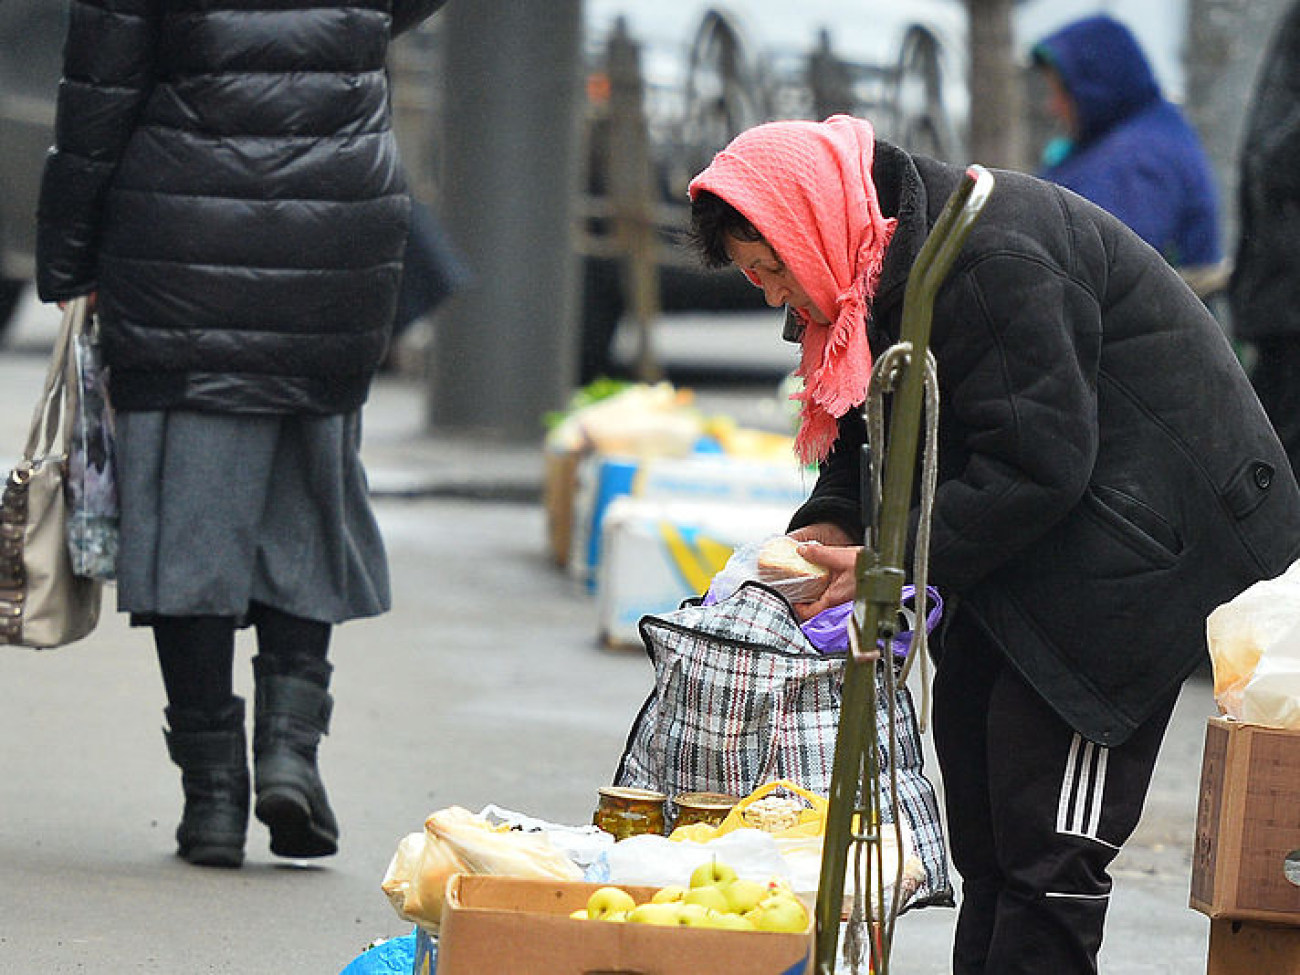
{"type": "Point", "coordinates": [1036, 813]}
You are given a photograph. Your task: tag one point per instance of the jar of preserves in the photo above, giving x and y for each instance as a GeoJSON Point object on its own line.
{"type": "Point", "coordinates": [710, 808]}
{"type": "Point", "coordinates": [625, 812]}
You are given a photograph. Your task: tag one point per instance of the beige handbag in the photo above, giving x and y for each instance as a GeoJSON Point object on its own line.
{"type": "Point", "coordinates": [42, 604]}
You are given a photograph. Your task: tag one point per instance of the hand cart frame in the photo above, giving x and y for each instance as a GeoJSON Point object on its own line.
{"type": "Point", "coordinates": [854, 814]}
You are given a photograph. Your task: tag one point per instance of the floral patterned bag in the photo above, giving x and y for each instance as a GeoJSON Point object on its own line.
{"type": "Point", "coordinates": [91, 484]}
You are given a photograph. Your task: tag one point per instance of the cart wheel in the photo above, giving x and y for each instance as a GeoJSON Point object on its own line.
{"type": "Point", "coordinates": [723, 93]}
{"type": "Point", "coordinates": [921, 119]}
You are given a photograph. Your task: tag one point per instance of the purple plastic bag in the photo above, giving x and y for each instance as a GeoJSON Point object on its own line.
{"type": "Point", "coordinates": [828, 631]}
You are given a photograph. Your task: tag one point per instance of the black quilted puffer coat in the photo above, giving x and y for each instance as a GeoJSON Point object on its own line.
{"type": "Point", "coordinates": [1106, 475]}
{"type": "Point", "coordinates": [225, 176]}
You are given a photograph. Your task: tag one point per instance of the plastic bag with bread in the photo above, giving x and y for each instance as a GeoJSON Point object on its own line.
{"type": "Point", "coordinates": [775, 562]}
{"type": "Point", "coordinates": [1254, 642]}
{"type": "Point", "coordinates": [458, 841]}
{"type": "Point", "coordinates": [781, 566]}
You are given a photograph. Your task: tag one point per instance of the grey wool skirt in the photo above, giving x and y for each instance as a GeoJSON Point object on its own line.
{"type": "Point", "coordinates": [221, 510]}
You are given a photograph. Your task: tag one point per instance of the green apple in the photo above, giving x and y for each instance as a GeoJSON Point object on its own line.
{"type": "Point", "coordinates": [713, 873]}
{"type": "Point", "coordinates": [780, 914]}
{"type": "Point", "coordinates": [668, 895]}
{"type": "Point", "coordinates": [651, 913]}
{"type": "Point", "coordinates": [608, 900]}
{"type": "Point", "coordinates": [714, 898]}
{"type": "Point", "coordinates": [743, 895]}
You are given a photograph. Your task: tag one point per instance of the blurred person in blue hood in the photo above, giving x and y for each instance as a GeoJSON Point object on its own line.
{"type": "Point", "coordinates": [1127, 148]}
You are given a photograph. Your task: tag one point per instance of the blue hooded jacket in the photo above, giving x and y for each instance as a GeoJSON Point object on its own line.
{"type": "Point", "coordinates": [1134, 154]}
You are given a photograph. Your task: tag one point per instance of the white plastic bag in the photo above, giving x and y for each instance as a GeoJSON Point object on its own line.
{"type": "Point", "coordinates": [581, 844]}
{"type": "Point", "coordinates": [1254, 642]}
{"type": "Point", "coordinates": [803, 859]}
{"type": "Point", "coordinates": [743, 566]}
{"type": "Point", "coordinates": [417, 878]}
{"type": "Point", "coordinates": [656, 861]}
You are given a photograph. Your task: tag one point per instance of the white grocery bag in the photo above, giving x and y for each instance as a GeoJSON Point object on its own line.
{"type": "Point", "coordinates": [1254, 642]}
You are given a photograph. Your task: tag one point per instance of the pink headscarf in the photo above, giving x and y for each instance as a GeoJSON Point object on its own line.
{"type": "Point", "coordinates": [807, 188]}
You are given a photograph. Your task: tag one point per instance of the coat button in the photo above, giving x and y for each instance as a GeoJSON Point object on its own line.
{"type": "Point", "coordinates": [1263, 476]}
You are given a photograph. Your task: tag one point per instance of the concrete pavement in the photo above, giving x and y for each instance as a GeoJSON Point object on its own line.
{"type": "Point", "coordinates": [484, 684]}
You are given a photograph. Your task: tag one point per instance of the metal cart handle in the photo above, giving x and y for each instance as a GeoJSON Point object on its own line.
{"type": "Point", "coordinates": [881, 567]}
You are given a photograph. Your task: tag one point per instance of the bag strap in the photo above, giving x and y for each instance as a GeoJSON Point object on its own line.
{"type": "Point", "coordinates": [52, 418]}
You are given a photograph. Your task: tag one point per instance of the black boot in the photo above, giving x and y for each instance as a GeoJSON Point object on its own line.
{"type": "Point", "coordinates": [211, 751]}
{"type": "Point", "coordinates": [291, 714]}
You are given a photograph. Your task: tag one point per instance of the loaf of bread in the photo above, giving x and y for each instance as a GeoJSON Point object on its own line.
{"type": "Point", "coordinates": [772, 814]}
{"type": "Point", "coordinates": [781, 566]}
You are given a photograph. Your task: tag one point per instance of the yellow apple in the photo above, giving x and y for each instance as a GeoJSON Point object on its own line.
{"type": "Point", "coordinates": [743, 895]}
{"type": "Point", "coordinates": [580, 915]}
{"type": "Point", "coordinates": [713, 873]}
{"type": "Point", "coordinates": [654, 913]}
{"type": "Point", "coordinates": [693, 915]}
{"type": "Point", "coordinates": [730, 922]}
{"type": "Point", "coordinates": [780, 914]}
{"type": "Point", "coordinates": [668, 895]}
{"type": "Point", "coordinates": [608, 900]}
{"type": "Point", "coordinates": [780, 893]}
{"type": "Point", "coordinates": [714, 898]}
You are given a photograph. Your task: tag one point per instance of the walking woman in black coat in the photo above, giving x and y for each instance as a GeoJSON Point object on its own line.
{"type": "Point", "coordinates": [226, 183]}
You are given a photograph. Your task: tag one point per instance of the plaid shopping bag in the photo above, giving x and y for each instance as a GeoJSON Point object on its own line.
{"type": "Point", "coordinates": [741, 698]}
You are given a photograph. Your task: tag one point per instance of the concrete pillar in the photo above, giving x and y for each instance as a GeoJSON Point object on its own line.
{"type": "Point", "coordinates": [505, 347]}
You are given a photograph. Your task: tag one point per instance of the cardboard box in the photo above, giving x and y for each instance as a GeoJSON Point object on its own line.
{"type": "Point", "coordinates": [1246, 864]}
{"type": "Point", "coordinates": [522, 926]}
{"type": "Point", "coordinates": [704, 479]}
{"type": "Point", "coordinates": [600, 480]}
{"type": "Point", "coordinates": [657, 553]}
{"type": "Point", "coordinates": [559, 487]}
{"type": "Point", "coordinates": [723, 479]}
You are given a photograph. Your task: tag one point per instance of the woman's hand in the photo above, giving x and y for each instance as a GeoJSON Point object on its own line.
{"type": "Point", "coordinates": [830, 546]}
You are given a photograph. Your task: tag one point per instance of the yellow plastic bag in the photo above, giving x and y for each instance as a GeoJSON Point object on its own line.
{"type": "Point", "coordinates": [808, 817]}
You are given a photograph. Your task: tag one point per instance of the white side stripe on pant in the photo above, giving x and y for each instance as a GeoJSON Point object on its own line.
{"type": "Point", "coordinates": [1078, 812]}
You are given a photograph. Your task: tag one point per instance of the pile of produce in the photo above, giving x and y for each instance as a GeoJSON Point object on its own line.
{"type": "Point", "coordinates": [716, 898]}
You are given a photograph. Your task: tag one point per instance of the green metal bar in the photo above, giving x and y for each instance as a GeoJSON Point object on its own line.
{"type": "Point", "coordinates": [880, 570]}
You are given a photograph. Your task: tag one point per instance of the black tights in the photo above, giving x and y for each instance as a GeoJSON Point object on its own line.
{"type": "Point", "coordinates": [196, 654]}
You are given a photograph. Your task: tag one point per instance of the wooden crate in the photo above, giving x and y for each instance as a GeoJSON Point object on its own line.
{"type": "Point", "coordinates": [1246, 864]}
